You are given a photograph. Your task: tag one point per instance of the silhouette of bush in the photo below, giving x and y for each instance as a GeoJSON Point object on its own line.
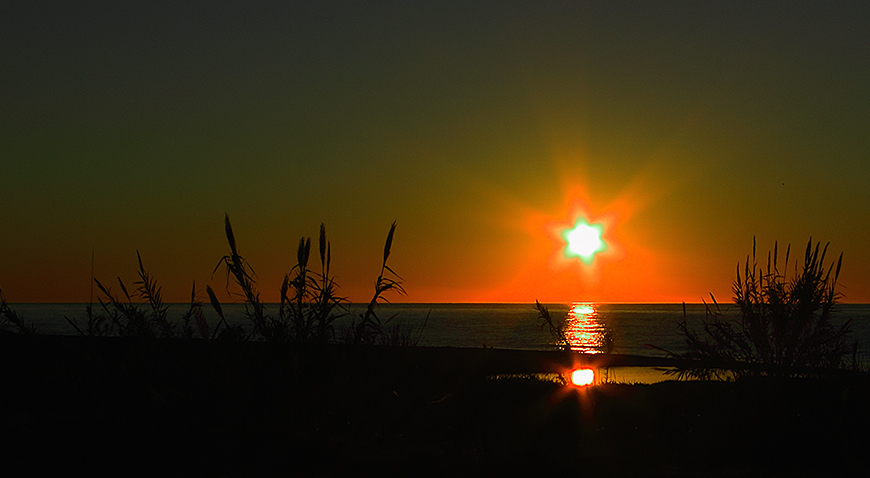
{"type": "Point", "coordinates": [784, 325]}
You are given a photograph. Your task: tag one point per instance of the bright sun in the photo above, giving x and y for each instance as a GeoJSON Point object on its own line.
{"type": "Point", "coordinates": [584, 240]}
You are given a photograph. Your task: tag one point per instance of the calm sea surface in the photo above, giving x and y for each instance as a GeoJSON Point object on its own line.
{"type": "Point", "coordinates": [508, 326]}
{"type": "Point", "coordinates": [629, 327]}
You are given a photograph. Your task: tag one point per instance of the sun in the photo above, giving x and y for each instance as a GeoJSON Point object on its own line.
{"type": "Point", "coordinates": [584, 240]}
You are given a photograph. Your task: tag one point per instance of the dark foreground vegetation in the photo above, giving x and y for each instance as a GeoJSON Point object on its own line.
{"type": "Point", "coordinates": [208, 407]}
{"type": "Point", "coordinates": [784, 324]}
{"type": "Point", "coordinates": [137, 393]}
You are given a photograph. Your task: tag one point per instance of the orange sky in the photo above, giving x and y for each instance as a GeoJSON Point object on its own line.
{"type": "Point", "coordinates": [687, 128]}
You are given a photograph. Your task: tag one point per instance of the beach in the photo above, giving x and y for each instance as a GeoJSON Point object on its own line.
{"type": "Point", "coordinates": [233, 408]}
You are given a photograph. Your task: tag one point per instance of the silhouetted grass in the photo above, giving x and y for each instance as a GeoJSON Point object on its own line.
{"type": "Point", "coordinates": [97, 325]}
{"type": "Point", "coordinates": [149, 290]}
{"type": "Point", "coordinates": [784, 325]}
{"type": "Point", "coordinates": [203, 325]}
{"type": "Point", "coordinates": [370, 327]}
{"type": "Point", "coordinates": [194, 313]}
{"type": "Point", "coordinates": [307, 306]}
{"type": "Point", "coordinates": [242, 273]}
{"type": "Point", "coordinates": [147, 319]}
{"type": "Point", "coordinates": [10, 319]}
{"type": "Point", "coordinates": [401, 333]}
{"type": "Point", "coordinates": [556, 327]}
{"type": "Point", "coordinates": [310, 302]}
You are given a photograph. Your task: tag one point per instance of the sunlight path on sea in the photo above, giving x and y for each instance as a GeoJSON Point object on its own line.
{"type": "Point", "coordinates": [584, 331]}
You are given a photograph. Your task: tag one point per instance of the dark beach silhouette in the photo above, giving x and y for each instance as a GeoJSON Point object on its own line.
{"type": "Point", "coordinates": [210, 407]}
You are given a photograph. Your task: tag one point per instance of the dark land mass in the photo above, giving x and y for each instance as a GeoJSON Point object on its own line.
{"type": "Point", "coordinates": [249, 408]}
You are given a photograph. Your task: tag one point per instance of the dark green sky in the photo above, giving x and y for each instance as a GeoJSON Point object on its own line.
{"type": "Point", "coordinates": [698, 125]}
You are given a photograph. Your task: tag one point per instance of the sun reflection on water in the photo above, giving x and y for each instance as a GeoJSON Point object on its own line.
{"type": "Point", "coordinates": [584, 330]}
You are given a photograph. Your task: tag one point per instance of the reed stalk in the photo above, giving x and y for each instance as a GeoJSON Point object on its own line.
{"type": "Point", "coordinates": [556, 327]}
{"type": "Point", "coordinates": [370, 326]}
{"type": "Point", "coordinates": [239, 269]}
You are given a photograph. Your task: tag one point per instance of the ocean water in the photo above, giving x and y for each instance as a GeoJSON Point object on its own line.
{"type": "Point", "coordinates": [632, 327]}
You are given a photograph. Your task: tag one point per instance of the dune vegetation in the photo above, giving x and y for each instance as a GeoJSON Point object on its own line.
{"type": "Point", "coordinates": [310, 303]}
{"type": "Point", "coordinates": [783, 327]}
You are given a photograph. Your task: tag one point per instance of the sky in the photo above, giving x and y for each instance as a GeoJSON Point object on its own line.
{"type": "Point", "coordinates": [685, 130]}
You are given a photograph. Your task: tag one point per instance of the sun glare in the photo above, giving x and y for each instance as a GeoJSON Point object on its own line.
{"type": "Point", "coordinates": [582, 377]}
{"type": "Point", "coordinates": [584, 240]}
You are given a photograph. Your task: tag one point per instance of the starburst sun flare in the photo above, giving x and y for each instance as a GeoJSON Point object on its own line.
{"type": "Point", "coordinates": [584, 240]}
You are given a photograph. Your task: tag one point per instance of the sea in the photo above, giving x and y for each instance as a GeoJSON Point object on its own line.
{"type": "Point", "coordinates": [632, 329]}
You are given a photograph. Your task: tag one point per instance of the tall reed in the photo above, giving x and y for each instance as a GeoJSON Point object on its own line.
{"type": "Point", "coordinates": [242, 273]}
{"type": "Point", "coordinates": [556, 327]}
{"type": "Point", "coordinates": [370, 327]}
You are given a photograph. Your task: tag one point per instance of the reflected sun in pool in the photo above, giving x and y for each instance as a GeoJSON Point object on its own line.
{"type": "Point", "coordinates": [582, 377]}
